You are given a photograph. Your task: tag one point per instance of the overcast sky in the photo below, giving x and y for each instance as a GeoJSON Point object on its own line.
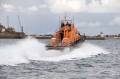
{"type": "Point", "coordinates": [42, 16]}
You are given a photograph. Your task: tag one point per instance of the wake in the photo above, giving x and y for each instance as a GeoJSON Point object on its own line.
{"type": "Point", "coordinates": [31, 49]}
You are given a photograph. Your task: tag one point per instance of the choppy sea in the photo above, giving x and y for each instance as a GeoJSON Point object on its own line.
{"type": "Point", "coordinates": [28, 59]}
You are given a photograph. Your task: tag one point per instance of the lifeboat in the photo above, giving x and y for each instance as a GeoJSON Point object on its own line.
{"type": "Point", "coordinates": [66, 36]}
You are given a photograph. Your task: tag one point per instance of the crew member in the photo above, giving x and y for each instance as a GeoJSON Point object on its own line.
{"type": "Point", "coordinates": [62, 24]}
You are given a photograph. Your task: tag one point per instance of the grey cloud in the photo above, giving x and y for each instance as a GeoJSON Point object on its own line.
{"type": "Point", "coordinates": [95, 6]}
{"type": "Point", "coordinates": [8, 7]}
{"type": "Point", "coordinates": [44, 21]}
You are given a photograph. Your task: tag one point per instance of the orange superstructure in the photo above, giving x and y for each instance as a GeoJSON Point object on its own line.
{"type": "Point", "coordinates": [66, 35]}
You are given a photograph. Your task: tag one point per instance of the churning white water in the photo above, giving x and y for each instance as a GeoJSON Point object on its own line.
{"type": "Point", "coordinates": [31, 49]}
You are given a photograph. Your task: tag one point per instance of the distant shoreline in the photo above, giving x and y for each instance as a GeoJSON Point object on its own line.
{"type": "Point", "coordinates": [49, 37]}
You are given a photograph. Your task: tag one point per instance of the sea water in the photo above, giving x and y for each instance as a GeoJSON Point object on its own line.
{"type": "Point", "coordinates": [28, 59]}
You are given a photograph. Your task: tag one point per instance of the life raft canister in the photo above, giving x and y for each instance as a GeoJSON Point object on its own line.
{"type": "Point", "coordinates": [53, 41]}
{"type": "Point", "coordinates": [65, 41]}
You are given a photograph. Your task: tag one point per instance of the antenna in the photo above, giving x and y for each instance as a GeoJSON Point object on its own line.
{"type": "Point", "coordinates": [8, 21]}
{"type": "Point", "coordinates": [59, 20]}
{"type": "Point", "coordinates": [65, 16]}
{"type": "Point", "coordinates": [73, 19]}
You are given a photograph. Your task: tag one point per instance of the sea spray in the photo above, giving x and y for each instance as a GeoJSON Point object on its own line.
{"type": "Point", "coordinates": [31, 49]}
{"type": "Point", "coordinates": [12, 54]}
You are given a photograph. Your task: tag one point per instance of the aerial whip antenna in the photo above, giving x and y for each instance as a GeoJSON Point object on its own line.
{"type": "Point", "coordinates": [73, 19]}
{"type": "Point", "coordinates": [65, 16]}
{"type": "Point", "coordinates": [59, 20]}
